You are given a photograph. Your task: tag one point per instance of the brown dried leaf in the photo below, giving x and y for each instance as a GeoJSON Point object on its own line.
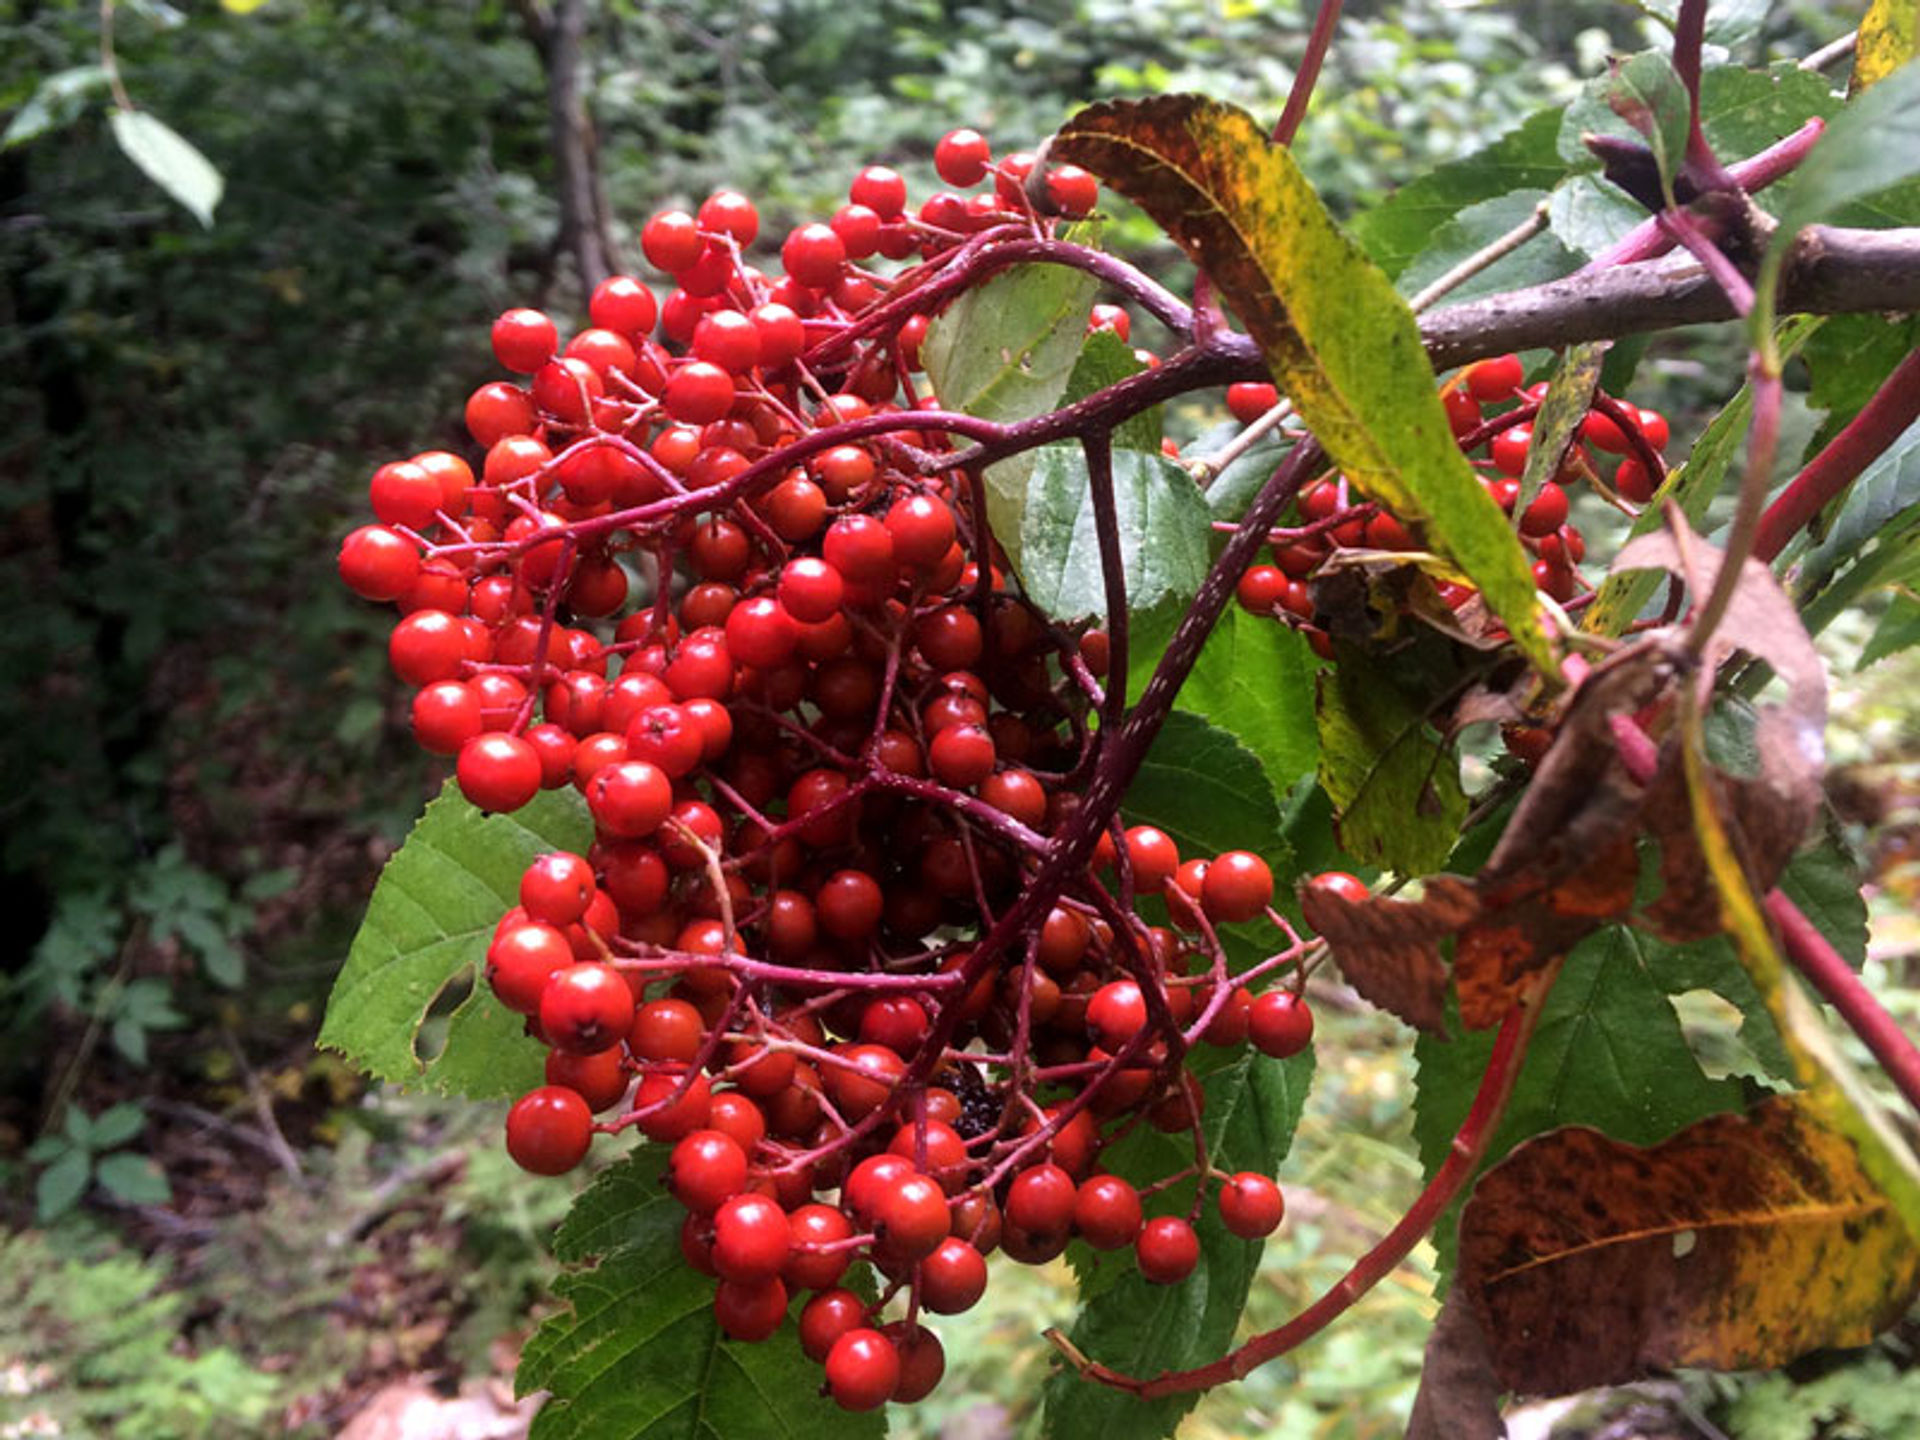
{"type": "Point", "coordinates": [1459, 1395]}
{"type": "Point", "coordinates": [1389, 950]}
{"type": "Point", "coordinates": [1744, 1241]}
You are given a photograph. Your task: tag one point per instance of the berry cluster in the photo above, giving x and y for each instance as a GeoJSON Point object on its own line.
{"type": "Point", "coordinates": [714, 573]}
{"type": "Point", "coordinates": [1332, 515]}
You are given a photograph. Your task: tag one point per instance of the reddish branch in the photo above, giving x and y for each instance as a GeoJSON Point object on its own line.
{"type": "Point", "coordinates": [1867, 436]}
{"type": "Point", "coordinates": [1463, 1159]}
{"type": "Point", "coordinates": [1308, 74]}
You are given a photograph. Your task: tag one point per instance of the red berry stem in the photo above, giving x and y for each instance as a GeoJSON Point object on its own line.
{"type": "Point", "coordinates": [1893, 408]}
{"type": "Point", "coordinates": [1463, 1159]}
{"type": "Point", "coordinates": [1097, 446]}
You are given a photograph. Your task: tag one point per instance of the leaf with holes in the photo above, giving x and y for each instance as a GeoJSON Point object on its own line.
{"type": "Point", "coordinates": [1337, 339]}
{"type": "Point", "coordinates": [638, 1355]}
{"type": "Point", "coordinates": [1253, 1106]}
{"type": "Point", "coordinates": [426, 932]}
{"type": "Point", "coordinates": [1744, 1241]}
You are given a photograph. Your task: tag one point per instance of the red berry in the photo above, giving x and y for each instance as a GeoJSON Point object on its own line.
{"type": "Point", "coordinates": [1251, 1206]}
{"type": "Point", "coordinates": [1041, 1199]}
{"type": "Point", "coordinates": [880, 189]}
{"type": "Point", "coordinates": [446, 715]}
{"type": "Point", "coordinates": [1154, 858]}
{"type": "Point", "coordinates": [731, 213]}
{"type": "Point", "coordinates": [1106, 1212]}
{"type": "Point", "coordinates": [1547, 513]}
{"type": "Point", "coordinates": [1280, 1024]}
{"type": "Point", "coordinates": [1463, 411]}
{"type": "Point", "coordinates": [1073, 191]}
{"type": "Point", "coordinates": [816, 1269]}
{"type": "Point", "coordinates": [953, 1277]}
{"type": "Point", "coordinates": [1250, 399]}
{"type": "Point", "coordinates": [814, 255]}
{"type": "Point", "coordinates": [586, 1008]}
{"type": "Point", "coordinates": [377, 563]}
{"type": "Point", "coordinates": [698, 393]}
{"type": "Point", "coordinates": [961, 158]}
{"type": "Point", "coordinates": [623, 304]}
{"type": "Point", "coordinates": [549, 1130]}
{"type": "Point", "coordinates": [922, 1360]}
{"type": "Point", "coordinates": [706, 1169]}
{"type": "Point", "coordinates": [672, 241]}
{"type": "Point", "coordinates": [1653, 426]}
{"type": "Point", "coordinates": [520, 961]}
{"type": "Point", "coordinates": [1116, 1013]}
{"type": "Point", "coordinates": [1509, 449]}
{"type": "Point", "coordinates": [1167, 1250]}
{"type": "Point", "coordinates": [557, 888]}
{"type": "Point", "coordinates": [961, 755]}
{"type": "Point", "coordinates": [1495, 379]}
{"type": "Point", "coordinates": [826, 1317]}
{"type": "Point", "coordinates": [600, 1079]}
{"type": "Point", "coordinates": [524, 340]}
{"type": "Point", "coordinates": [863, 1369]}
{"type": "Point", "coordinates": [1633, 482]}
{"type": "Point", "coordinates": [910, 1217]}
{"type": "Point", "coordinates": [750, 1311]}
{"type": "Point", "coordinates": [629, 799]}
{"type": "Point", "coordinates": [498, 772]}
{"type": "Point", "coordinates": [751, 1239]}
{"type": "Point", "coordinates": [1238, 886]}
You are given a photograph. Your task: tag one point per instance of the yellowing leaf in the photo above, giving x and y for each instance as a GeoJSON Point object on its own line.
{"type": "Point", "coordinates": [1742, 1242]}
{"type": "Point", "coordinates": [1887, 41]}
{"type": "Point", "coordinates": [1337, 338]}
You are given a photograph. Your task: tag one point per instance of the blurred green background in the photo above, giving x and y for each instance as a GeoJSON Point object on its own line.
{"type": "Point", "coordinates": [203, 758]}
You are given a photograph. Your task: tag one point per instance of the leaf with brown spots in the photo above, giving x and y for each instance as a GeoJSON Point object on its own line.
{"type": "Point", "coordinates": [1742, 1242]}
{"type": "Point", "coordinates": [1340, 343]}
{"type": "Point", "coordinates": [1389, 950]}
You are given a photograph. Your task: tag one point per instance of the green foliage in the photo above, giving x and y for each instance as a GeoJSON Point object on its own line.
{"type": "Point", "coordinates": [639, 1355]}
{"type": "Point", "coordinates": [1874, 1400]}
{"type": "Point", "coordinates": [1162, 528]}
{"type": "Point", "coordinates": [426, 934]}
{"type": "Point", "coordinates": [85, 1150]}
{"type": "Point", "coordinates": [1253, 1106]}
{"type": "Point", "coordinates": [170, 160]}
{"type": "Point", "coordinates": [91, 1337]}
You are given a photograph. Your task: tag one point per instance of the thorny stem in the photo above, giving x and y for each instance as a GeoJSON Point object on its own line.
{"type": "Point", "coordinates": [1318, 43]}
{"type": "Point", "coordinates": [1463, 1159]}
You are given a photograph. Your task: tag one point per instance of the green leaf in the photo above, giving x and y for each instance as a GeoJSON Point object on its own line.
{"type": "Point", "coordinates": [1885, 491]}
{"type": "Point", "coordinates": [1207, 790]}
{"type": "Point", "coordinates": [1163, 525]}
{"type": "Point", "coordinates": [1608, 1052]}
{"type": "Point", "coordinates": [130, 1039]}
{"type": "Point", "coordinates": [1404, 225]}
{"type": "Point", "coordinates": [170, 161]}
{"type": "Point", "coordinates": [1825, 883]}
{"type": "Point", "coordinates": [79, 1127]}
{"type": "Point", "coordinates": [1850, 358]}
{"type": "Point", "coordinates": [427, 927]}
{"type": "Point", "coordinates": [1106, 359]}
{"type": "Point", "coordinates": [1646, 92]}
{"type": "Point", "coordinates": [1253, 1107]}
{"type": "Point", "coordinates": [1899, 629]}
{"type": "Point", "coordinates": [1337, 339]}
{"type": "Point", "coordinates": [1587, 215]}
{"type": "Point", "coordinates": [135, 1179]}
{"type": "Point", "coordinates": [117, 1124]}
{"type": "Point", "coordinates": [58, 100]}
{"type": "Point", "coordinates": [61, 1185]}
{"type": "Point", "coordinates": [638, 1354]}
{"type": "Point", "coordinates": [1006, 351]}
{"type": "Point", "coordinates": [1569, 397]}
{"type": "Point", "coordinates": [1395, 785]}
{"type": "Point", "coordinates": [223, 963]}
{"type": "Point", "coordinates": [1255, 680]}
{"type": "Point", "coordinates": [1692, 487]}
{"type": "Point", "coordinates": [1729, 22]}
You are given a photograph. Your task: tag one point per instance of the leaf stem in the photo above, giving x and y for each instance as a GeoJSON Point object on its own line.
{"type": "Point", "coordinates": [1762, 441]}
{"type": "Point", "coordinates": [1469, 1147]}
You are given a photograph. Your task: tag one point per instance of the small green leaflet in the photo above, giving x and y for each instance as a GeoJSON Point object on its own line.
{"type": "Point", "coordinates": [1899, 629]}
{"type": "Point", "coordinates": [170, 161]}
{"type": "Point", "coordinates": [1106, 360]}
{"type": "Point", "coordinates": [1253, 1107]}
{"type": "Point", "coordinates": [57, 101]}
{"type": "Point", "coordinates": [427, 928]}
{"type": "Point", "coordinates": [1207, 790]}
{"type": "Point", "coordinates": [1648, 95]}
{"type": "Point", "coordinates": [638, 1354]}
{"type": "Point", "coordinates": [1006, 351]}
{"type": "Point", "coordinates": [1163, 526]}
{"type": "Point", "coordinates": [1395, 785]}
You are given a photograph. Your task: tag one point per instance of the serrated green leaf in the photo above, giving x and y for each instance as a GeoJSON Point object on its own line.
{"type": "Point", "coordinates": [1162, 521]}
{"type": "Point", "coordinates": [1692, 487]}
{"type": "Point", "coordinates": [1106, 359]}
{"type": "Point", "coordinates": [1403, 225]}
{"type": "Point", "coordinates": [1646, 92]}
{"type": "Point", "coordinates": [58, 100]}
{"type": "Point", "coordinates": [1253, 1107]}
{"type": "Point", "coordinates": [1587, 215]}
{"type": "Point", "coordinates": [1885, 491]}
{"type": "Point", "coordinates": [61, 1185]}
{"type": "Point", "coordinates": [1206, 789]}
{"type": "Point", "coordinates": [117, 1124]}
{"type": "Point", "coordinates": [1608, 1052]}
{"type": "Point", "coordinates": [428, 925]}
{"type": "Point", "coordinates": [1338, 341]}
{"type": "Point", "coordinates": [1005, 351]}
{"type": "Point", "coordinates": [135, 1179]}
{"type": "Point", "coordinates": [1824, 883]}
{"type": "Point", "coordinates": [1897, 630]}
{"type": "Point", "coordinates": [638, 1354]}
{"type": "Point", "coordinates": [1255, 680]}
{"type": "Point", "coordinates": [1850, 358]}
{"type": "Point", "coordinates": [1395, 786]}
{"type": "Point", "coordinates": [169, 160]}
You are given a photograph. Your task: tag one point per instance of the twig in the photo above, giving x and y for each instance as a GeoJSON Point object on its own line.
{"type": "Point", "coordinates": [1833, 50]}
{"type": "Point", "coordinates": [1495, 250]}
{"type": "Point", "coordinates": [1318, 42]}
{"type": "Point", "coordinates": [276, 1145]}
{"type": "Point", "coordinates": [1763, 439]}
